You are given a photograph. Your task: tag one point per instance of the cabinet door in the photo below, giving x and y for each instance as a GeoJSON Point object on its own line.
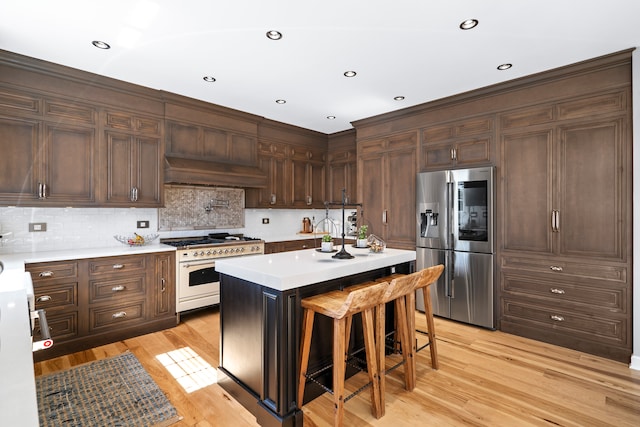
{"type": "Point", "coordinates": [164, 286]}
{"type": "Point", "coordinates": [317, 179]}
{"type": "Point", "coordinates": [400, 198]}
{"type": "Point", "coordinates": [19, 170]}
{"type": "Point", "coordinates": [133, 170]}
{"type": "Point", "coordinates": [148, 172]}
{"type": "Point", "coordinates": [372, 179]}
{"type": "Point", "coordinates": [299, 182]}
{"type": "Point", "coordinates": [69, 165]}
{"type": "Point", "coordinates": [526, 191]}
{"type": "Point", "coordinates": [593, 192]}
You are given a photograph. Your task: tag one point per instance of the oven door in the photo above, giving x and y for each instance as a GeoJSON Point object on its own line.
{"type": "Point", "coordinates": [198, 284]}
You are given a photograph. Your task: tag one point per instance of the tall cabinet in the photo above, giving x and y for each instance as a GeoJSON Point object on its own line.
{"type": "Point", "coordinates": [387, 169]}
{"type": "Point", "coordinates": [565, 227]}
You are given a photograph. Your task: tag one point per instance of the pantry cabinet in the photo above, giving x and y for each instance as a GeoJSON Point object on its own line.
{"type": "Point", "coordinates": [565, 234]}
{"type": "Point", "coordinates": [95, 301]}
{"type": "Point", "coordinates": [387, 169]}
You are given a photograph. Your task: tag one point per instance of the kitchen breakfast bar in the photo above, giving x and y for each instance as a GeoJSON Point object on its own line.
{"type": "Point", "coordinates": [261, 319]}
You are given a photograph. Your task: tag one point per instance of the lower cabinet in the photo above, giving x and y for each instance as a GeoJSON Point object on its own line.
{"type": "Point", "coordinates": [95, 301]}
{"type": "Point", "coordinates": [297, 245]}
{"type": "Point", "coordinates": [568, 303]}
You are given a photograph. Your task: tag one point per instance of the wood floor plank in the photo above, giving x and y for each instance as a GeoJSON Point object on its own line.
{"type": "Point", "coordinates": [486, 378]}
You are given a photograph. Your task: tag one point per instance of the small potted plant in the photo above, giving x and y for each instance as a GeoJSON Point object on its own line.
{"type": "Point", "coordinates": [327, 243]}
{"type": "Point", "coordinates": [361, 241]}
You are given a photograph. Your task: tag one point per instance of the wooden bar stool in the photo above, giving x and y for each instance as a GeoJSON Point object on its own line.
{"type": "Point", "coordinates": [340, 306]}
{"type": "Point", "coordinates": [428, 276]}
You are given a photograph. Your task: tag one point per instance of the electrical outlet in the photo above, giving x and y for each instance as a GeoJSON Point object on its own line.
{"type": "Point", "coordinates": [265, 220]}
{"type": "Point", "coordinates": [37, 226]}
{"type": "Point", "coordinates": [143, 224]}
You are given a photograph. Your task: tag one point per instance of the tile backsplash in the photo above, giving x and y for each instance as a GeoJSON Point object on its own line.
{"type": "Point", "coordinates": [71, 228]}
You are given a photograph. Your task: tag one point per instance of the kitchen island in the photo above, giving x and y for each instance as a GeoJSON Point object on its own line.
{"type": "Point", "coordinates": [261, 319]}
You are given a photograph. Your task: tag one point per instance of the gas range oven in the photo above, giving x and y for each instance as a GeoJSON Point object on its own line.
{"type": "Point", "coordinates": [198, 282]}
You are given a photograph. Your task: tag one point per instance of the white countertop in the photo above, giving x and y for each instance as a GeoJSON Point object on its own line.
{"type": "Point", "coordinates": [289, 270]}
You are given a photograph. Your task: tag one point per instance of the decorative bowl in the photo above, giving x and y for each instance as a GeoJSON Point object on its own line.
{"type": "Point", "coordinates": [136, 239]}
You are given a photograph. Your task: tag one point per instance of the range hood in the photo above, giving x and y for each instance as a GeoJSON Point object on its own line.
{"type": "Point", "coordinates": [180, 170]}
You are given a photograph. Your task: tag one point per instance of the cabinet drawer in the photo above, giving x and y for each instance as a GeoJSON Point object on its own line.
{"type": "Point", "coordinates": [124, 264]}
{"type": "Point", "coordinates": [590, 327]}
{"type": "Point", "coordinates": [60, 295]}
{"type": "Point", "coordinates": [49, 271]}
{"type": "Point", "coordinates": [612, 299]}
{"type": "Point", "coordinates": [116, 314]}
{"type": "Point", "coordinates": [62, 325]}
{"type": "Point", "coordinates": [120, 287]}
{"type": "Point", "coordinates": [566, 268]}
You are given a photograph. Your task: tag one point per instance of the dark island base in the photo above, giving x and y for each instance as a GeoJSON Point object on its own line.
{"type": "Point", "coordinates": [260, 339]}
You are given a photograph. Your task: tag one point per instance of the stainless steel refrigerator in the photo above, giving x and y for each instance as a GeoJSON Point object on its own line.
{"type": "Point", "coordinates": [455, 227]}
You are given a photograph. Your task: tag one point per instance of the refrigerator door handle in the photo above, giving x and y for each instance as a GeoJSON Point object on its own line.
{"type": "Point", "coordinates": [452, 284]}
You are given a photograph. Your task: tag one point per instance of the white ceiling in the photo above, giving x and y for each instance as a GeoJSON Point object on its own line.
{"type": "Point", "coordinates": [400, 47]}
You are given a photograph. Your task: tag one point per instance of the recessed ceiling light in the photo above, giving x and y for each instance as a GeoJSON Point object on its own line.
{"type": "Point", "coordinates": [398, 98]}
{"type": "Point", "coordinates": [100, 45]}
{"type": "Point", "coordinates": [274, 35]}
{"type": "Point", "coordinates": [350, 73]}
{"type": "Point", "coordinates": [503, 67]}
{"type": "Point", "coordinates": [468, 24]}
{"type": "Point", "coordinates": [331, 117]}
{"type": "Point", "coordinates": [209, 79]}
{"type": "Point", "coordinates": [281, 101]}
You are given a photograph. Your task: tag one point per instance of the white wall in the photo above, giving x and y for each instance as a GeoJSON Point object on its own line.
{"type": "Point", "coordinates": [635, 358]}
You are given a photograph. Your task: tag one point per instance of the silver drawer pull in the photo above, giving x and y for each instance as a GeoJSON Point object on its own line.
{"type": "Point", "coordinates": [557, 318]}
{"type": "Point", "coordinates": [118, 266]}
{"type": "Point", "coordinates": [555, 268]}
{"type": "Point", "coordinates": [118, 288]}
{"type": "Point", "coordinates": [556, 291]}
{"type": "Point", "coordinates": [44, 298]}
{"type": "Point", "coordinates": [46, 274]}
{"type": "Point", "coordinates": [119, 314]}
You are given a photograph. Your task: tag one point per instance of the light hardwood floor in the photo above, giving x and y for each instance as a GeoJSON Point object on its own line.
{"type": "Point", "coordinates": [486, 378]}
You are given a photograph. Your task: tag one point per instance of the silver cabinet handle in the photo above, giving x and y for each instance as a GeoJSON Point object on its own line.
{"type": "Point", "coordinates": [309, 200]}
{"type": "Point", "coordinates": [46, 274]}
{"type": "Point", "coordinates": [272, 200]}
{"type": "Point", "coordinates": [118, 288]}
{"type": "Point", "coordinates": [42, 190]}
{"type": "Point", "coordinates": [557, 318]}
{"type": "Point", "coordinates": [44, 298]}
{"type": "Point", "coordinates": [557, 221]}
{"type": "Point", "coordinates": [119, 315]}
{"type": "Point", "coordinates": [556, 291]}
{"type": "Point", "coordinates": [384, 216]}
{"type": "Point", "coordinates": [163, 285]}
{"type": "Point", "coordinates": [555, 268]}
{"type": "Point", "coordinates": [118, 266]}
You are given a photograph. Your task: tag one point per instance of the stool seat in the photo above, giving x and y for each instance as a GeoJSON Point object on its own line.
{"type": "Point", "coordinates": [340, 306]}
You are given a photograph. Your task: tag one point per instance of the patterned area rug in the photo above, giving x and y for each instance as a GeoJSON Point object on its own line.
{"type": "Point", "coordinates": [111, 392]}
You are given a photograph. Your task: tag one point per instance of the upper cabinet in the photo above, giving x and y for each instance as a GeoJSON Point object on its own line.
{"type": "Point", "coordinates": [463, 143]}
{"type": "Point", "coordinates": [134, 157]}
{"type": "Point", "coordinates": [294, 161]}
{"type": "Point", "coordinates": [70, 138]}
{"type": "Point", "coordinates": [342, 167]}
{"type": "Point", "coordinates": [49, 151]}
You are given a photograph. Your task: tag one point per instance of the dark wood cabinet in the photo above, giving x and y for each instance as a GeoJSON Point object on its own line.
{"type": "Point", "coordinates": [49, 151]}
{"type": "Point", "coordinates": [342, 167]}
{"type": "Point", "coordinates": [307, 171]}
{"type": "Point", "coordinates": [387, 171]}
{"type": "Point", "coordinates": [565, 191]}
{"type": "Point", "coordinates": [90, 302]}
{"type": "Point", "coordinates": [463, 143]}
{"type": "Point", "coordinates": [134, 158]}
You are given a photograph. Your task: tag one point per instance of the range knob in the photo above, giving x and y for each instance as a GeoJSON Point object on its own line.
{"type": "Point", "coordinates": [195, 253]}
{"type": "Point", "coordinates": [201, 253]}
{"type": "Point", "coordinates": [226, 251]}
{"type": "Point", "coordinates": [208, 252]}
{"type": "Point", "coordinates": [242, 249]}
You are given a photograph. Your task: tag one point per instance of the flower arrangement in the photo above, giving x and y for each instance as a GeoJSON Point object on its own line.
{"type": "Point", "coordinates": [362, 231]}
{"type": "Point", "coordinates": [326, 238]}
